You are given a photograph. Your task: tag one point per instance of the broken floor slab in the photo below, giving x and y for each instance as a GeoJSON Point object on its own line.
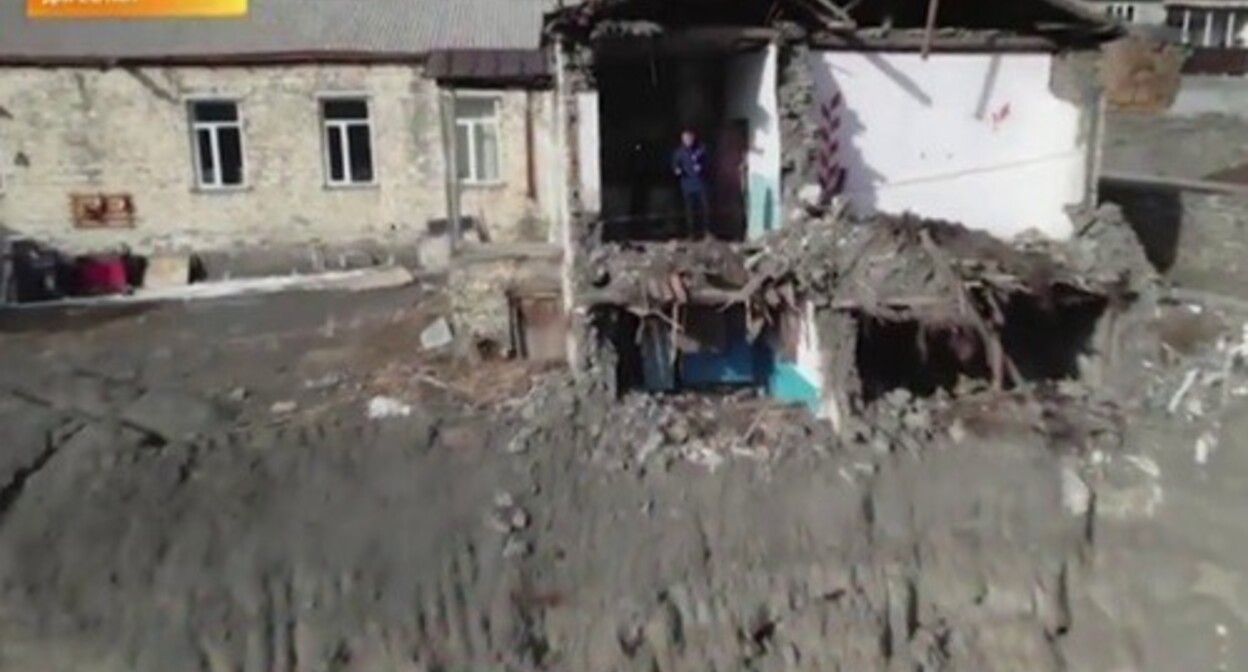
{"type": "Point", "coordinates": [836, 311]}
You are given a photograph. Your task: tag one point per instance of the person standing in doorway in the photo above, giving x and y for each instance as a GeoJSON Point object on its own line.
{"type": "Point", "coordinates": [689, 163]}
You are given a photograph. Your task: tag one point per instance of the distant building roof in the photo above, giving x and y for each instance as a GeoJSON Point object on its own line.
{"type": "Point", "coordinates": [488, 65]}
{"type": "Point", "coordinates": [279, 30]}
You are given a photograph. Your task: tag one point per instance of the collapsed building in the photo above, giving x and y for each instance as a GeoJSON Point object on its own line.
{"type": "Point", "coordinates": [843, 140]}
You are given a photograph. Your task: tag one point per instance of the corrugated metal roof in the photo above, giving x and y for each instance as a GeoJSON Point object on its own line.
{"type": "Point", "coordinates": [488, 65]}
{"type": "Point", "coordinates": [277, 27]}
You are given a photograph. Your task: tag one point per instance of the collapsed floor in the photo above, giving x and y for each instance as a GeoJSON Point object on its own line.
{"type": "Point", "coordinates": [868, 307]}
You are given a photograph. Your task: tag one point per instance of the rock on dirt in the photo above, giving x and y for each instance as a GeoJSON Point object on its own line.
{"type": "Point", "coordinates": [437, 335]}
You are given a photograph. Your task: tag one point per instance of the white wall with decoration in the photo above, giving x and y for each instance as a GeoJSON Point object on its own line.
{"type": "Point", "coordinates": [979, 139]}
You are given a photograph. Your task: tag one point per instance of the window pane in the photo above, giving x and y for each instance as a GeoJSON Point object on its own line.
{"type": "Point", "coordinates": [215, 110]}
{"type": "Point", "coordinates": [474, 108]}
{"type": "Point", "coordinates": [361, 148]}
{"type": "Point", "coordinates": [346, 109]}
{"type": "Point", "coordinates": [230, 143]}
{"type": "Point", "coordinates": [203, 151]}
{"type": "Point", "coordinates": [462, 156]}
{"type": "Point", "coordinates": [1197, 29]}
{"type": "Point", "coordinates": [487, 153]}
{"type": "Point", "coordinates": [333, 142]}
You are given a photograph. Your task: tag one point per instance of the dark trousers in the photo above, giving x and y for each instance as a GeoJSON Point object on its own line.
{"type": "Point", "coordinates": [697, 212]}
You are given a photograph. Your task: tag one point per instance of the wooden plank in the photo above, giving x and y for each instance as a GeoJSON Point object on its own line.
{"type": "Point", "coordinates": [1177, 183]}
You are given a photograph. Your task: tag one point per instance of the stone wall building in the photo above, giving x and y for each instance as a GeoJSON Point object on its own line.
{"type": "Point", "coordinates": [308, 122]}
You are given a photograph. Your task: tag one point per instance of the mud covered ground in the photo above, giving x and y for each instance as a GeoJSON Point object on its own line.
{"type": "Point", "coordinates": [200, 487]}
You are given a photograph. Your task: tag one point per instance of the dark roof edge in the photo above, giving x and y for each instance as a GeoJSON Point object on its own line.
{"type": "Point", "coordinates": [961, 42]}
{"type": "Point", "coordinates": [1081, 11]}
{"type": "Point", "coordinates": [284, 58]}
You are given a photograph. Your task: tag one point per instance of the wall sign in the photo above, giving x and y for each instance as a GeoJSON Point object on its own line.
{"type": "Point", "coordinates": [112, 9]}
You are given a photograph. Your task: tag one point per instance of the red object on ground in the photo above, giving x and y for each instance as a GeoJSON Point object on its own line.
{"type": "Point", "coordinates": [102, 275]}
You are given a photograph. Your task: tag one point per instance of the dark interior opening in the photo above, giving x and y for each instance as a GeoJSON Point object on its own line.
{"type": "Point", "coordinates": [616, 331]}
{"type": "Point", "coordinates": [647, 97]}
{"type": "Point", "coordinates": [920, 358]}
{"type": "Point", "coordinates": [712, 354]}
{"type": "Point", "coordinates": [1044, 339]}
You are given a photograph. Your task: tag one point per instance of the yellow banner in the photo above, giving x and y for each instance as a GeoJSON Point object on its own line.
{"type": "Point", "coordinates": [113, 9]}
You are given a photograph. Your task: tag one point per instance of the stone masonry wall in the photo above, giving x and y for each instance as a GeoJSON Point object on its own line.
{"type": "Point", "coordinates": [507, 210]}
{"type": "Point", "coordinates": [65, 130]}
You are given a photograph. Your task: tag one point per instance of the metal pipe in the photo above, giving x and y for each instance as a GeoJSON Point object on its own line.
{"type": "Point", "coordinates": [450, 151]}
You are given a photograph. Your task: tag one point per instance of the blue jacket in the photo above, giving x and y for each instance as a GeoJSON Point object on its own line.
{"type": "Point", "coordinates": [690, 165]}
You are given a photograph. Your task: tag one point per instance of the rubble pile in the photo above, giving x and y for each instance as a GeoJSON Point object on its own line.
{"type": "Point", "coordinates": [663, 272]}
{"type": "Point", "coordinates": [923, 265]}
{"type": "Point", "coordinates": [1105, 248]}
{"type": "Point", "coordinates": [879, 262]}
{"type": "Point", "coordinates": [1199, 374]}
{"type": "Point", "coordinates": [1070, 417]}
{"type": "Point", "coordinates": [639, 431]}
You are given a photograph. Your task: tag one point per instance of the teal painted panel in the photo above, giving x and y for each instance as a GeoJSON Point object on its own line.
{"type": "Point", "coordinates": [658, 372]}
{"type": "Point", "coordinates": [734, 366]}
{"type": "Point", "coordinates": [764, 206]}
{"type": "Point", "coordinates": [789, 385]}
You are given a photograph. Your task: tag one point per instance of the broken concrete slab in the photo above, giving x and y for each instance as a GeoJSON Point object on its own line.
{"type": "Point", "coordinates": [173, 414]}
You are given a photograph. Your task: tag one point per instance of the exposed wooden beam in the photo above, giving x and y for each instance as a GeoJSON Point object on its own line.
{"type": "Point", "coordinates": [933, 7]}
{"type": "Point", "coordinates": [913, 40]}
{"type": "Point", "coordinates": [830, 6]}
{"type": "Point", "coordinates": [1175, 183]}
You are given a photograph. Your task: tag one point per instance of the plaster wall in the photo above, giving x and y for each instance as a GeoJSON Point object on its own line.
{"type": "Point", "coordinates": [750, 93]}
{"type": "Point", "coordinates": [980, 139]}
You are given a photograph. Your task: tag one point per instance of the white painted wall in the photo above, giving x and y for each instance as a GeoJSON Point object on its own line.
{"type": "Point", "coordinates": [589, 151]}
{"type": "Point", "coordinates": [750, 92]}
{"type": "Point", "coordinates": [974, 138]}
{"type": "Point", "coordinates": [809, 354]}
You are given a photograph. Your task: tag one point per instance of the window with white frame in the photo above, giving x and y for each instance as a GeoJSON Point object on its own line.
{"type": "Point", "coordinates": [217, 131]}
{"type": "Point", "coordinates": [1209, 28]}
{"type": "Point", "coordinates": [348, 139]}
{"type": "Point", "coordinates": [1122, 11]}
{"type": "Point", "coordinates": [477, 150]}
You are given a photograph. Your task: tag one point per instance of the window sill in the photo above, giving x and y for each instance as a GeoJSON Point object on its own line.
{"type": "Point", "coordinates": [355, 186]}
{"type": "Point", "coordinates": [484, 186]}
{"type": "Point", "coordinates": [214, 191]}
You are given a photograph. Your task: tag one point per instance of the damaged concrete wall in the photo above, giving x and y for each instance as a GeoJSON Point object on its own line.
{"type": "Point", "coordinates": [1197, 239]}
{"type": "Point", "coordinates": [958, 136]}
{"type": "Point", "coordinates": [127, 131]}
{"type": "Point", "coordinates": [478, 290]}
{"type": "Point", "coordinates": [1179, 143]}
